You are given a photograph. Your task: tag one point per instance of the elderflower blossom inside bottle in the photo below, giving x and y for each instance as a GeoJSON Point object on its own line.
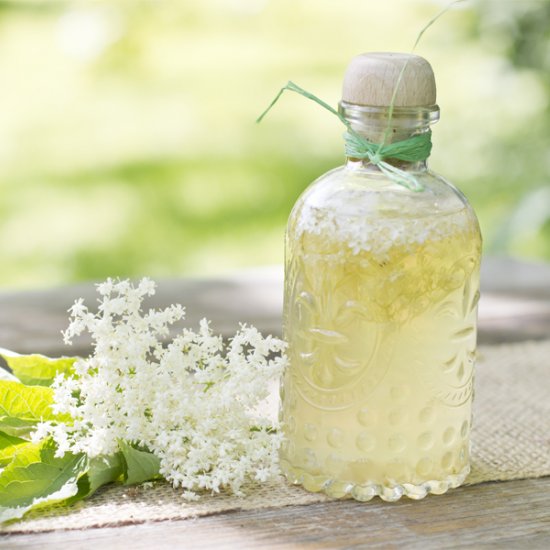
{"type": "Point", "coordinates": [381, 292]}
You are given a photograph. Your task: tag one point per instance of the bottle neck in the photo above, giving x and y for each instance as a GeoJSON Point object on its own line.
{"type": "Point", "coordinates": [375, 125]}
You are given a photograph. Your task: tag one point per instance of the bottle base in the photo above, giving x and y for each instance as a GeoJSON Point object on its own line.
{"type": "Point", "coordinates": [389, 492]}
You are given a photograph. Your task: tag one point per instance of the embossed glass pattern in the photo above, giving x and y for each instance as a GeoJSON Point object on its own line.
{"type": "Point", "coordinates": [381, 294]}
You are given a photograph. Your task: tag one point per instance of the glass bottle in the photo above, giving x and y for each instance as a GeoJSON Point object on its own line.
{"type": "Point", "coordinates": [381, 292]}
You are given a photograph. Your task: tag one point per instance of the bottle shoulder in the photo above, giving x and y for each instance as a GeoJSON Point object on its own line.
{"type": "Point", "coordinates": [367, 190]}
{"type": "Point", "coordinates": [364, 208]}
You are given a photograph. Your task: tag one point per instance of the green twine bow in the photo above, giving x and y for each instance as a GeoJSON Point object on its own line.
{"type": "Point", "coordinates": [414, 149]}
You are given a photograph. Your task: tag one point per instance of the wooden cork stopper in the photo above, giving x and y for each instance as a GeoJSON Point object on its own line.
{"type": "Point", "coordinates": [371, 79]}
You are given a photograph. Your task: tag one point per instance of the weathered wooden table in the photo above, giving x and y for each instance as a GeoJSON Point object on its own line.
{"type": "Point", "coordinates": [515, 306]}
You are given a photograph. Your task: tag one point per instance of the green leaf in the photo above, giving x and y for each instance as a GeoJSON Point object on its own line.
{"type": "Point", "coordinates": [139, 465]}
{"type": "Point", "coordinates": [9, 446]}
{"type": "Point", "coordinates": [36, 369]}
{"type": "Point", "coordinates": [17, 427]}
{"type": "Point", "coordinates": [36, 478]}
{"type": "Point", "coordinates": [105, 469]}
{"type": "Point", "coordinates": [20, 401]}
{"type": "Point", "coordinates": [101, 470]}
{"type": "Point", "coordinates": [22, 407]}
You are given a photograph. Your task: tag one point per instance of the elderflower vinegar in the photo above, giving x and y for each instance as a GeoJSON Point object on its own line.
{"type": "Point", "coordinates": [381, 292]}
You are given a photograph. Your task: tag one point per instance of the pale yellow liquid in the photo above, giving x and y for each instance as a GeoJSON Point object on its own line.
{"type": "Point", "coordinates": [377, 399]}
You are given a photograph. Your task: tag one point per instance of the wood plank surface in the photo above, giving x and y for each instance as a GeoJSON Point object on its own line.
{"type": "Point", "coordinates": [515, 514]}
{"type": "Point", "coordinates": [515, 306]}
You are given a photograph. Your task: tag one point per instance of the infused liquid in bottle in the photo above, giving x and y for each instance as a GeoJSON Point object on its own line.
{"type": "Point", "coordinates": [381, 291]}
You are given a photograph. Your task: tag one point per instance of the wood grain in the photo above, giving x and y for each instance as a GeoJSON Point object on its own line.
{"type": "Point", "coordinates": [371, 79]}
{"type": "Point", "coordinates": [515, 514]}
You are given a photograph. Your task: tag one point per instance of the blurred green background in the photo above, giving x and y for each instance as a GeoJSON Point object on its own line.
{"type": "Point", "coordinates": [128, 144]}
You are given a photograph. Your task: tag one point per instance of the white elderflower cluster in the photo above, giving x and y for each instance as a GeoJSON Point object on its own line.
{"type": "Point", "coordinates": [193, 401]}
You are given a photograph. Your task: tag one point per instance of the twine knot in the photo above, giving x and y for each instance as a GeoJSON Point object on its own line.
{"type": "Point", "coordinates": [375, 158]}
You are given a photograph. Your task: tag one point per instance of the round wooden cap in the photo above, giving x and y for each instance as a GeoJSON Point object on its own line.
{"type": "Point", "coordinates": [371, 79]}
